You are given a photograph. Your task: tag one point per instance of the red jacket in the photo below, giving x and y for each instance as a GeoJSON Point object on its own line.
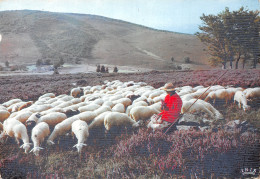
{"type": "Point", "coordinates": [171, 108]}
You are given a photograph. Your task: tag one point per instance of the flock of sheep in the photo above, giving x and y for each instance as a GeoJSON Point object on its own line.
{"type": "Point", "coordinates": [115, 104]}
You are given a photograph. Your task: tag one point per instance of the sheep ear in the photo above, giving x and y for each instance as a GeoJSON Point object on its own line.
{"type": "Point", "coordinates": [84, 144]}
{"type": "Point", "coordinates": [21, 146]}
{"type": "Point", "coordinates": [31, 150]}
{"type": "Point", "coordinates": [75, 145]}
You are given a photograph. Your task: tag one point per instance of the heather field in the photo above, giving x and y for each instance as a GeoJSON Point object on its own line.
{"type": "Point", "coordinates": [228, 149]}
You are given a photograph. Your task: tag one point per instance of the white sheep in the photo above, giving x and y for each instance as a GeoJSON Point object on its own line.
{"type": "Point", "coordinates": [116, 119]}
{"type": "Point", "coordinates": [87, 116]}
{"type": "Point", "coordinates": [140, 103]}
{"type": "Point", "coordinates": [2, 107]}
{"type": "Point", "coordinates": [4, 114]}
{"type": "Point", "coordinates": [102, 109]}
{"type": "Point", "coordinates": [218, 94]}
{"type": "Point", "coordinates": [14, 128]}
{"type": "Point", "coordinates": [252, 93]}
{"type": "Point", "coordinates": [76, 92]}
{"type": "Point", "coordinates": [39, 132]}
{"type": "Point", "coordinates": [98, 121]}
{"type": "Point", "coordinates": [90, 107]}
{"type": "Point", "coordinates": [142, 112]}
{"type": "Point", "coordinates": [119, 108]}
{"type": "Point", "coordinates": [55, 109]}
{"type": "Point", "coordinates": [125, 101]}
{"type": "Point", "coordinates": [23, 116]}
{"type": "Point", "coordinates": [240, 98]}
{"type": "Point", "coordinates": [200, 106]}
{"type": "Point", "coordinates": [156, 93]}
{"type": "Point", "coordinates": [52, 118]}
{"type": "Point", "coordinates": [51, 95]}
{"type": "Point", "coordinates": [10, 102]}
{"type": "Point", "coordinates": [61, 129]}
{"type": "Point", "coordinates": [80, 129]}
{"type": "Point", "coordinates": [66, 98]}
{"type": "Point", "coordinates": [39, 108]}
{"type": "Point", "coordinates": [108, 103]}
{"type": "Point", "coordinates": [65, 104]}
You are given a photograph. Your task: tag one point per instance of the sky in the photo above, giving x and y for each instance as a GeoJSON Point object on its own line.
{"type": "Point", "coordinates": [172, 15]}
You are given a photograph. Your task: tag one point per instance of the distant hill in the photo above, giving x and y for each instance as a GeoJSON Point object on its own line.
{"type": "Point", "coordinates": [31, 35]}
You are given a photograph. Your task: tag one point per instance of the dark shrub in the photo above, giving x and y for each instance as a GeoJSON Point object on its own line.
{"type": "Point", "coordinates": [194, 153]}
{"type": "Point", "coordinates": [187, 60]}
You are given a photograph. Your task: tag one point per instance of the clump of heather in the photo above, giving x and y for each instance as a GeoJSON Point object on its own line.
{"type": "Point", "coordinates": [193, 153]}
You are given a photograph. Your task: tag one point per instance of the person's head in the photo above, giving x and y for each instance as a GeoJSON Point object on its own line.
{"type": "Point", "coordinates": [169, 88]}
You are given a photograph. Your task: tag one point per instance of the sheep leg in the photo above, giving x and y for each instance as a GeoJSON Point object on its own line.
{"type": "Point", "coordinates": [239, 105]}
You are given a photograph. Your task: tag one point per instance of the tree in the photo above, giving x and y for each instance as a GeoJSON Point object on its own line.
{"type": "Point", "coordinates": [102, 69]}
{"type": "Point", "coordinates": [187, 60]}
{"type": "Point", "coordinates": [98, 68]}
{"type": "Point", "coordinates": [231, 36]}
{"type": "Point", "coordinates": [39, 62]}
{"type": "Point", "coordinates": [107, 70]}
{"type": "Point", "coordinates": [7, 63]}
{"type": "Point", "coordinates": [115, 70]}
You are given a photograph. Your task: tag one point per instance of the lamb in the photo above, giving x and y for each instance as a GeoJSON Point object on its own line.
{"type": "Point", "coordinates": [21, 105]}
{"type": "Point", "coordinates": [156, 93]}
{"type": "Point", "coordinates": [119, 108]}
{"type": "Point", "coordinates": [39, 132]}
{"type": "Point", "coordinates": [66, 98]}
{"type": "Point", "coordinates": [116, 119]}
{"type": "Point", "coordinates": [11, 102]}
{"type": "Point", "coordinates": [142, 98]}
{"type": "Point", "coordinates": [39, 108]}
{"type": "Point", "coordinates": [76, 92]}
{"type": "Point", "coordinates": [197, 87]}
{"type": "Point", "coordinates": [52, 118]}
{"type": "Point", "coordinates": [142, 112]}
{"type": "Point", "coordinates": [98, 101]}
{"type": "Point", "coordinates": [87, 116]}
{"type": "Point", "coordinates": [108, 103]}
{"type": "Point", "coordinates": [219, 94]}
{"type": "Point", "coordinates": [65, 104]}
{"type": "Point", "coordinates": [2, 107]}
{"type": "Point", "coordinates": [61, 129]}
{"type": "Point", "coordinates": [23, 116]}
{"type": "Point", "coordinates": [140, 103]}
{"type": "Point", "coordinates": [252, 93]}
{"type": "Point", "coordinates": [125, 101]}
{"type": "Point", "coordinates": [14, 128]}
{"type": "Point", "coordinates": [55, 109]}
{"type": "Point", "coordinates": [99, 120]}
{"type": "Point", "coordinates": [51, 95]}
{"type": "Point", "coordinates": [76, 101]}
{"type": "Point", "coordinates": [4, 114]}
{"type": "Point", "coordinates": [201, 105]}
{"type": "Point", "coordinates": [80, 130]}
{"type": "Point", "coordinates": [90, 107]}
{"type": "Point", "coordinates": [102, 109]}
{"type": "Point", "coordinates": [240, 97]}
{"type": "Point", "coordinates": [185, 91]}
{"type": "Point", "coordinates": [115, 97]}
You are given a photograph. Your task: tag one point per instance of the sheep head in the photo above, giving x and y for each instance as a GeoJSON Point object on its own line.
{"type": "Point", "coordinates": [79, 147]}
{"type": "Point", "coordinates": [36, 150]}
{"type": "Point", "coordinates": [26, 147]}
{"type": "Point", "coordinates": [246, 107]}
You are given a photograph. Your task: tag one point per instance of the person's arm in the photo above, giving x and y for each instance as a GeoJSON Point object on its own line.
{"type": "Point", "coordinates": [164, 106]}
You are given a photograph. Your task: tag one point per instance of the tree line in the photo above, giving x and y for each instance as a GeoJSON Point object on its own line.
{"type": "Point", "coordinates": [231, 37]}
